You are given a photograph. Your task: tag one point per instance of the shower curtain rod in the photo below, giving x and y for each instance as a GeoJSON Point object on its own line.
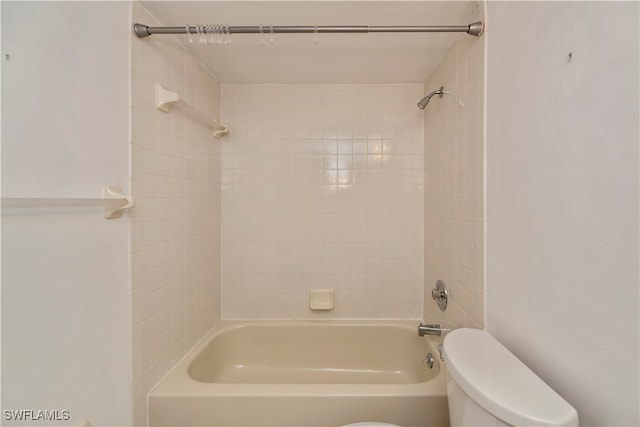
{"type": "Point", "coordinates": [141, 30]}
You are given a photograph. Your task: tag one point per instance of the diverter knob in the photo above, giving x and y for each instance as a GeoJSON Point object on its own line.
{"type": "Point", "coordinates": [440, 295]}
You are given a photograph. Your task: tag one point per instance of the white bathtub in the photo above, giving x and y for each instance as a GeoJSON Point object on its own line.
{"type": "Point", "coordinates": [304, 374]}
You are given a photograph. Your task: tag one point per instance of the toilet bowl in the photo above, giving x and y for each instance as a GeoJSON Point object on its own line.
{"type": "Point", "coordinates": [488, 386]}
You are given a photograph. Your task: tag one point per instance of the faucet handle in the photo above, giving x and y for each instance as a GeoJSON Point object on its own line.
{"type": "Point", "coordinates": [440, 295]}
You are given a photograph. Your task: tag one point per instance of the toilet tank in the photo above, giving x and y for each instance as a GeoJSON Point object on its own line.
{"type": "Point", "coordinates": [464, 411]}
{"type": "Point", "coordinates": [488, 386]}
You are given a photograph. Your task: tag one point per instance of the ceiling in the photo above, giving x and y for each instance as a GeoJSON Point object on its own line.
{"type": "Point", "coordinates": [335, 58]}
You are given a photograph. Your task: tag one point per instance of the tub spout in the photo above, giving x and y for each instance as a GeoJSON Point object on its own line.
{"type": "Point", "coordinates": [435, 329]}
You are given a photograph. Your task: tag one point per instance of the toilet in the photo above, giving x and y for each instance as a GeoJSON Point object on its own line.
{"type": "Point", "coordinates": [488, 386]}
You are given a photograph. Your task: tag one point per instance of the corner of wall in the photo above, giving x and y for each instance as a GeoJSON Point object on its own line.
{"type": "Point", "coordinates": [175, 226]}
{"type": "Point", "coordinates": [454, 182]}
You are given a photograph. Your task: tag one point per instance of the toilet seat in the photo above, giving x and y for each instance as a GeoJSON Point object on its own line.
{"type": "Point", "coordinates": [371, 424]}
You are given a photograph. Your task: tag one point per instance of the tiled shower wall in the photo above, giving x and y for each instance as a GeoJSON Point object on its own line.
{"type": "Point", "coordinates": [322, 188]}
{"type": "Point", "coordinates": [175, 236]}
{"type": "Point", "coordinates": [454, 184]}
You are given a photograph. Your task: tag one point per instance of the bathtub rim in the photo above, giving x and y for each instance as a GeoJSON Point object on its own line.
{"type": "Point", "coordinates": [178, 382]}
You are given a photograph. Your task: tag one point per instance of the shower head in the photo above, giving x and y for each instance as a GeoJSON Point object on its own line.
{"type": "Point", "coordinates": [424, 101]}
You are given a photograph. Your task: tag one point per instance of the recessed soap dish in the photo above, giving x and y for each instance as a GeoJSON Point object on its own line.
{"type": "Point", "coordinates": [321, 299]}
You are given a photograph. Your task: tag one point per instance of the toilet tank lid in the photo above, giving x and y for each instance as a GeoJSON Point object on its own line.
{"type": "Point", "coordinates": [503, 385]}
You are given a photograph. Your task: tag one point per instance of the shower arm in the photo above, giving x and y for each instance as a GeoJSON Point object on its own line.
{"type": "Point", "coordinates": [424, 101]}
{"type": "Point", "coordinates": [474, 29]}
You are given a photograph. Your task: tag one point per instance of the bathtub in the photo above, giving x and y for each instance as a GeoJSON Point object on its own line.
{"type": "Point", "coordinates": [304, 374]}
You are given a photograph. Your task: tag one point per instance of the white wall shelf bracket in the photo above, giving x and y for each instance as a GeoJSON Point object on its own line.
{"type": "Point", "coordinates": [115, 192]}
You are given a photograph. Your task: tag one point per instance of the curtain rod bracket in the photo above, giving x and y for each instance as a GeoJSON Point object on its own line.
{"type": "Point", "coordinates": [141, 30]}
{"type": "Point", "coordinates": [476, 29]}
